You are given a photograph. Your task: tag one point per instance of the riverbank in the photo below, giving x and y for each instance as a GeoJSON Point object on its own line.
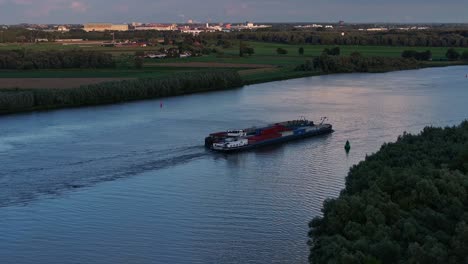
{"type": "Point", "coordinates": [22, 100]}
{"type": "Point", "coordinates": [278, 74]}
{"type": "Point", "coordinates": [14, 100]}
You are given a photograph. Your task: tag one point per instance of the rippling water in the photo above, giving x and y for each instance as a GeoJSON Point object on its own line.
{"type": "Point", "coordinates": [132, 183]}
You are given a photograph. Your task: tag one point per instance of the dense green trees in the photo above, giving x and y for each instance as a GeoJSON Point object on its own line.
{"type": "Point", "coordinates": [427, 38]}
{"type": "Point", "coordinates": [249, 51]}
{"type": "Point", "coordinates": [16, 100]}
{"type": "Point", "coordinates": [464, 56]}
{"type": "Point", "coordinates": [335, 51]}
{"type": "Point", "coordinates": [423, 56]}
{"type": "Point", "coordinates": [408, 203]}
{"type": "Point", "coordinates": [28, 59]}
{"type": "Point", "coordinates": [281, 51]}
{"type": "Point", "coordinates": [301, 51]}
{"type": "Point", "coordinates": [245, 49]}
{"type": "Point", "coordinates": [139, 61]}
{"type": "Point", "coordinates": [226, 44]}
{"type": "Point", "coordinates": [356, 63]}
{"type": "Point", "coordinates": [452, 54]}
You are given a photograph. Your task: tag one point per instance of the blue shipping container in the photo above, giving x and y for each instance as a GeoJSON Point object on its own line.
{"type": "Point", "coordinates": [299, 131]}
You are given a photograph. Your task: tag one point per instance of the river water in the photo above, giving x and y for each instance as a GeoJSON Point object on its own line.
{"type": "Point", "coordinates": [132, 183]}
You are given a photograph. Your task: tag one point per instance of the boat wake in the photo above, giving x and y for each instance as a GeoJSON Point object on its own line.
{"type": "Point", "coordinates": [23, 185]}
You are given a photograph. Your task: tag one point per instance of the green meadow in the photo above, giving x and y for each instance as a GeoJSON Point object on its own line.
{"type": "Point", "coordinates": [265, 54]}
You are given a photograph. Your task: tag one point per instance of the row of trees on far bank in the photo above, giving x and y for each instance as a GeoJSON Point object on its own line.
{"type": "Point", "coordinates": [356, 63]}
{"type": "Point", "coordinates": [426, 38]}
{"type": "Point", "coordinates": [429, 38]}
{"type": "Point", "coordinates": [454, 55]}
{"type": "Point", "coordinates": [451, 54]}
{"type": "Point", "coordinates": [28, 59]}
{"type": "Point", "coordinates": [16, 100]}
{"type": "Point", "coordinates": [413, 54]}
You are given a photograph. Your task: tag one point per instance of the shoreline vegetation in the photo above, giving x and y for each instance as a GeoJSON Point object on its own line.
{"type": "Point", "coordinates": [228, 64]}
{"type": "Point", "coordinates": [16, 100]}
{"type": "Point", "coordinates": [407, 203]}
{"type": "Point", "coordinates": [22, 100]}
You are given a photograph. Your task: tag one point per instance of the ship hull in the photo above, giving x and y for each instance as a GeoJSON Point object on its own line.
{"type": "Point", "coordinates": [275, 141]}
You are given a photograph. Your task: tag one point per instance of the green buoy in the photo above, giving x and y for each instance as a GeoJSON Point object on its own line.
{"type": "Point", "coordinates": [347, 146]}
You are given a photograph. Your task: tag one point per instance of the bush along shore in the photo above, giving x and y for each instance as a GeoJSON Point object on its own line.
{"type": "Point", "coordinates": [357, 63]}
{"type": "Point", "coordinates": [20, 100]}
{"type": "Point", "coordinates": [408, 203]}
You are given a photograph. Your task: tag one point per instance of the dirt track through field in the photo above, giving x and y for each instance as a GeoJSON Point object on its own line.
{"type": "Point", "coordinates": [52, 82]}
{"type": "Point", "coordinates": [211, 65]}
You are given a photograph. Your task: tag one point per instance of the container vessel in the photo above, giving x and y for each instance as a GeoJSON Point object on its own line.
{"type": "Point", "coordinates": [254, 137]}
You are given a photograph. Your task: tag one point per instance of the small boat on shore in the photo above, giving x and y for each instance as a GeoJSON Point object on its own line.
{"type": "Point", "coordinates": [254, 137]}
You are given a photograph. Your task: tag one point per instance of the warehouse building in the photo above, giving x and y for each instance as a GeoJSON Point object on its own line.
{"type": "Point", "coordinates": [104, 26]}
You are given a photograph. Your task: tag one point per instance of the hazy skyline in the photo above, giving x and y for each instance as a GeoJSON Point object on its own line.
{"type": "Point", "coordinates": [120, 11]}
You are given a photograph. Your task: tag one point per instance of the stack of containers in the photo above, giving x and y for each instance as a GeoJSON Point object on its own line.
{"type": "Point", "coordinates": [267, 133]}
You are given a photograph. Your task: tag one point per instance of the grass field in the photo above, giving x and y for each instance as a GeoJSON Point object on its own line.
{"type": "Point", "coordinates": [33, 83]}
{"type": "Point", "coordinates": [277, 66]}
{"type": "Point", "coordinates": [147, 72]}
{"type": "Point", "coordinates": [261, 49]}
{"type": "Point", "coordinates": [269, 49]}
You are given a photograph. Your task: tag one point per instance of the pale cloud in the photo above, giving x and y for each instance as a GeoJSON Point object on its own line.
{"type": "Point", "coordinates": [23, 2]}
{"type": "Point", "coordinates": [43, 10]}
{"type": "Point", "coordinates": [78, 6]}
{"type": "Point", "coordinates": [121, 8]}
{"type": "Point", "coordinates": [236, 9]}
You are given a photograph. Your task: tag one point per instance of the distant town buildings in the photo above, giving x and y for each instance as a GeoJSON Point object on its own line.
{"type": "Point", "coordinates": [393, 28]}
{"type": "Point", "coordinates": [105, 26]}
{"type": "Point", "coordinates": [69, 40]}
{"type": "Point", "coordinates": [158, 27]}
{"type": "Point", "coordinates": [369, 27]}
{"type": "Point", "coordinates": [377, 29]}
{"type": "Point", "coordinates": [310, 26]}
{"type": "Point", "coordinates": [413, 28]}
{"type": "Point", "coordinates": [249, 25]}
{"type": "Point", "coordinates": [189, 30]}
{"type": "Point", "coordinates": [63, 29]}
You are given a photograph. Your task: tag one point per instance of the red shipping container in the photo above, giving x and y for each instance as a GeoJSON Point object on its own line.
{"type": "Point", "coordinates": [265, 137]}
{"type": "Point", "coordinates": [218, 134]}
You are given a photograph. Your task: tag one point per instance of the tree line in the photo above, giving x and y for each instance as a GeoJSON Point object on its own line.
{"type": "Point", "coordinates": [356, 63]}
{"type": "Point", "coordinates": [23, 59]}
{"type": "Point", "coordinates": [407, 203]}
{"type": "Point", "coordinates": [16, 100]}
{"type": "Point", "coordinates": [423, 56]}
{"type": "Point", "coordinates": [426, 38]}
{"type": "Point", "coordinates": [429, 38]}
{"type": "Point", "coordinates": [451, 54]}
{"type": "Point", "coordinates": [17, 34]}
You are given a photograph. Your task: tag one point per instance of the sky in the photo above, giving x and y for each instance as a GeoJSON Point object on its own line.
{"type": "Point", "coordinates": [178, 11]}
